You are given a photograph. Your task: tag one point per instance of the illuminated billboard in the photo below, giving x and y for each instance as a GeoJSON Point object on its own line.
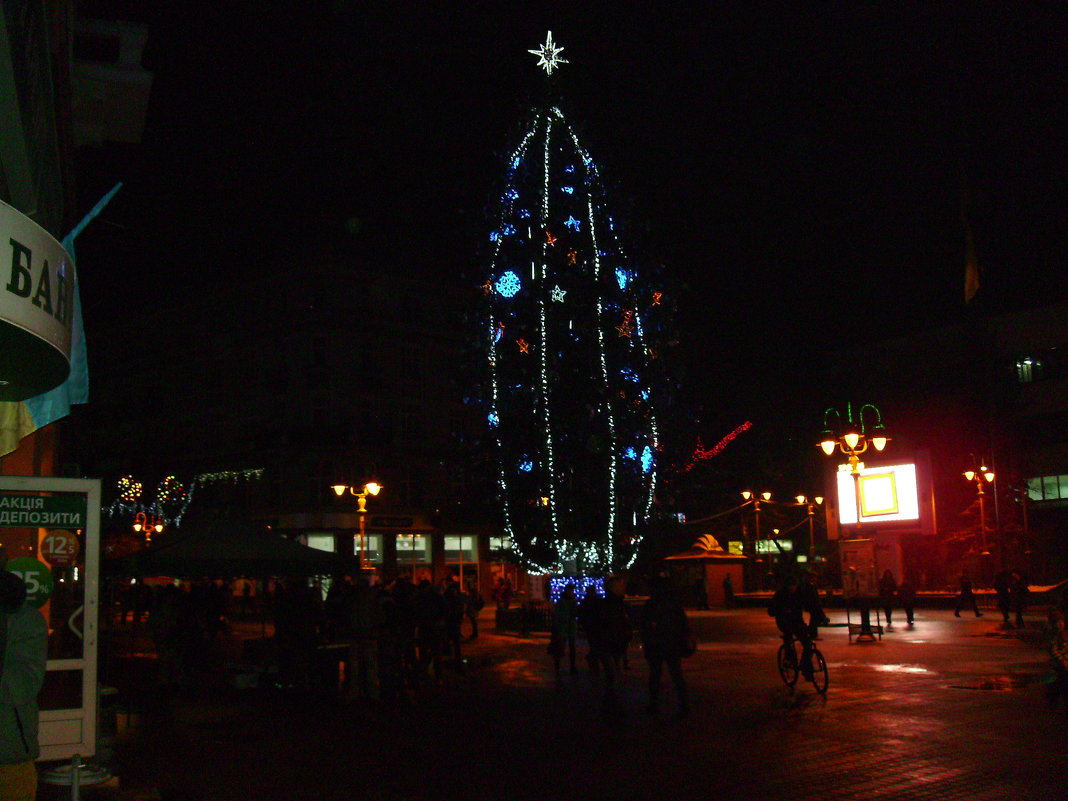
{"type": "Point", "coordinates": [887, 493]}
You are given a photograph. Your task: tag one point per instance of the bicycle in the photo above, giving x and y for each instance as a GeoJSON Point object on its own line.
{"type": "Point", "coordinates": [788, 664]}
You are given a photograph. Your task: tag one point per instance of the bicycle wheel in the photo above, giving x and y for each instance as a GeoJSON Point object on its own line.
{"type": "Point", "coordinates": [820, 677]}
{"type": "Point", "coordinates": [787, 661]}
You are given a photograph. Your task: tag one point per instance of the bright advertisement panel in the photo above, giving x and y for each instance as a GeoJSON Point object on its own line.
{"type": "Point", "coordinates": [887, 493]}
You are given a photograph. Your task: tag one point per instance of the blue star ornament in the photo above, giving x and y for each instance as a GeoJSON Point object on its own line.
{"type": "Point", "coordinates": [549, 55]}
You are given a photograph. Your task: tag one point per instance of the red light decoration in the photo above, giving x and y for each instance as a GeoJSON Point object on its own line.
{"type": "Point", "coordinates": [657, 297]}
{"type": "Point", "coordinates": [700, 453]}
{"type": "Point", "coordinates": [487, 288]}
{"type": "Point", "coordinates": [550, 238]}
{"type": "Point", "coordinates": [524, 346]}
{"type": "Point", "coordinates": [572, 257]}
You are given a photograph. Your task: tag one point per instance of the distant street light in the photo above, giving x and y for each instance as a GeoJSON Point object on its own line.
{"type": "Point", "coordinates": [144, 524]}
{"type": "Point", "coordinates": [810, 509]}
{"type": "Point", "coordinates": [370, 488]}
{"type": "Point", "coordinates": [750, 498]}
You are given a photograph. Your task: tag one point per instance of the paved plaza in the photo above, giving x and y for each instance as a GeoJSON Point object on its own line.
{"type": "Point", "coordinates": [951, 708]}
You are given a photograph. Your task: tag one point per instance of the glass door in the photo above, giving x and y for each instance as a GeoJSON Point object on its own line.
{"type": "Point", "coordinates": [50, 529]}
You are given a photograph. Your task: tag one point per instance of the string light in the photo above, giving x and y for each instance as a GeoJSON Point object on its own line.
{"type": "Point", "coordinates": [701, 454]}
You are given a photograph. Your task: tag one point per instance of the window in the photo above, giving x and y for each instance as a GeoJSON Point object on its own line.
{"type": "Point", "coordinates": [413, 548]}
{"type": "Point", "coordinates": [1029, 370]}
{"type": "Point", "coordinates": [461, 548]}
{"type": "Point", "coordinates": [1047, 488]}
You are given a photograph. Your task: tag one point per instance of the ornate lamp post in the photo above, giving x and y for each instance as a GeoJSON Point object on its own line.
{"type": "Point", "coordinates": [147, 524]}
{"type": "Point", "coordinates": [983, 474]}
{"type": "Point", "coordinates": [370, 488]}
{"type": "Point", "coordinates": [852, 438]}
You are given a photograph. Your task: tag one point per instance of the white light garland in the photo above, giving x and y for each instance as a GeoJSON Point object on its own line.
{"type": "Point", "coordinates": [621, 362]}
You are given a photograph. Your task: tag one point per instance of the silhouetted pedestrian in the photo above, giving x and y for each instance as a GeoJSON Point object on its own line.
{"type": "Point", "coordinates": [1004, 598]}
{"type": "Point", "coordinates": [665, 634]}
{"type": "Point", "coordinates": [472, 607]}
{"type": "Point", "coordinates": [594, 614]}
{"type": "Point", "coordinates": [906, 594]}
{"type": "Point", "coordinates": [1057, 689]}
{"type": "Point", "coordinates": [430, 629]}
{"type": "Point", "coordinates": [564, 629]}
{"type": "Point", "coordinates": [390, 681]}
{"type": "Point", "coordinates": [966, 598]}
{"type": "Point", "coordinates": [618, 630]}
{"type": "Point", "coordinates": [887, 591]}
{"type": "Point", "coordinates": [454, 616]}
{"type": "Point", "coordinates": [404, 601]}
{"type": "Point", "coordinates": [728, 591]}
{"type": "Point", "coordinates": [363, 623]}
{"type": "Point", "coordinates": [1020, 594]}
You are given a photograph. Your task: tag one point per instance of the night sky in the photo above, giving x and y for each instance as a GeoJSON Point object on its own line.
{"type": "Point", "coordinates": [800, 174]}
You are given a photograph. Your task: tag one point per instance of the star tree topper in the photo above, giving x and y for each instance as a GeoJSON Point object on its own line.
{"type": "Point", "coordinates": [549, 54]}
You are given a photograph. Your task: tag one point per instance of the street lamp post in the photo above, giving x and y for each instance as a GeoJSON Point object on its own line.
{"type": "Point", "coordinates": [370, 488]}
{"type": "Point", "coordinates": [983, 474]}
{"type": "Point", "coordinates": [750, 498]}
{"type": "Point", "coordinates": [810, 510]}
{"type": "Point", "coordinates": [148, 525]}
{"type": "Point", "coordinates": [852, 438]}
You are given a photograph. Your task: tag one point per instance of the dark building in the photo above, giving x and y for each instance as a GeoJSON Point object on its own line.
{"type": "Point", "coordinates": [989, 391]}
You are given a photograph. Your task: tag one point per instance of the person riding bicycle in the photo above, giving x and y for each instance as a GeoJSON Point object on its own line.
{"type": "Point", "coordinates": [788, 606]}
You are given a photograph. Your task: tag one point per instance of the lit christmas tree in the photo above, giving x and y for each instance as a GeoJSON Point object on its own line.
{"type": "Point", "coordinates": [573, 344]}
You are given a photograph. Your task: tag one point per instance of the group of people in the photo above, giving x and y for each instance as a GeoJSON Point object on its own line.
{"type": "Point", "coordinates": [394, 636]}
{"type": "Point", "coordinates": [1011, 592]}
{"type": "Point", "coordinates": [903, 593]}
{"type": "Point", "coordinates": [606, 622]}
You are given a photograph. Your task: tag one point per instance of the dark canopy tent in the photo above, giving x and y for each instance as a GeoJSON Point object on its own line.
{"type": "Point", "coordinates": [228, 550]}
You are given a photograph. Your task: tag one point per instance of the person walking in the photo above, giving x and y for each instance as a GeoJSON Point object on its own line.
{"type": "Point", "coordinates": [887, 591]}
{"type": "Point", "coordinates": [1004, 598]}
{"type": "Point", "coordinates": [618, 630]}
{"type": "Point", "coordinates": [430, 622]}
{"type": "Point", "coordinates": [665, 634]}
{"type": "Point", "coordinates": [1020, 593]}
{"type": "Point", "coordinates": [906, 594]}
{"type": "Point", "coordinates": [591, 619]}
{"type": "Point", "coordinates": [454, 603]}
{"type": "Point", "coordinates": [363, 624]}
{"type": "Point", "coordinates": [728, 591]}
{"type": "Point", "coordinates": [472, 606]}
{"type": "Point", "coordinates": [23, 653]}
{"type": "Point", "coordinates": [564, 629]}
{"type": "Point", "coordinates": [1057, 689]}
{"type": "Point", "coordinates": [966, 598]}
